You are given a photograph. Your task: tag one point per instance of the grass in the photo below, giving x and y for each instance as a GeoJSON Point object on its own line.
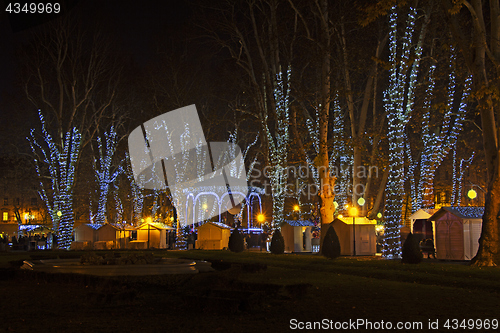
{"type": "Point", "coordinates": [244, 297]}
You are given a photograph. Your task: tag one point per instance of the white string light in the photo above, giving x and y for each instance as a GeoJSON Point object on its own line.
{"type": "Point", "coordinates": [398, 116]}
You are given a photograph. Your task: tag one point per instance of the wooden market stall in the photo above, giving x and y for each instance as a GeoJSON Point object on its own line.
{"type": "Point", "coordinates": [213, 236]}
{"type": "Point", "coordinates": [85, 236]}
{"type": "Point", "coordinates": [457, 231]}
{"type": "Point", "coordinates": [294, 232]}
{"type": "Point", "coordinates": [107, 237]}
{"type": "Point", "coordinates": [151, 235]}
{"type": "Point", "coordinates": [366, 238]}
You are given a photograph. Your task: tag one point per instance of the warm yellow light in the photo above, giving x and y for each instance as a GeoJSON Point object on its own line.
{"type": "Point", "coordinates": [204, 206]}
{"type": "Point", "coordinates": [261, 218]}
{"type": "Point", "coordinates": [149, 219]}
{"type": "Point", "coordinates": [361, 201]}
{"type": "Point", "coordinates": [340, 216]}
{"type": "Point", "coordinates": [472, 194]}
{"type": "Point", "coordinates": [171, 218]}
{"type": "Point", "coordinates": [353, 211]}
{"type": "Point", "coordinates": [379, 215]}
{"type": "Point", "coordinates": [296, 208]}
{"type": "Point", "coordinates": [335, 204]}
{"type": "Point", "coordinates": [59, 213]}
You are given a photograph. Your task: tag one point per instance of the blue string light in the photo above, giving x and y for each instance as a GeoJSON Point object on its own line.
{"type": "Point", "coordinates": [102, 169]}
{"type": "Point", "coordinates": [60, 161]}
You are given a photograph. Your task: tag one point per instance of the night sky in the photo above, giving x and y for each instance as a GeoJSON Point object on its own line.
{"type": "Point", "coordinates": [134, 27]}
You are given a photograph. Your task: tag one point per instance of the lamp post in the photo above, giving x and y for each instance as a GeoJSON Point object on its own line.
{"type": "Point", "coordinates": [148, 221]}
{"type": "Point", "coordinates": [353, 211]}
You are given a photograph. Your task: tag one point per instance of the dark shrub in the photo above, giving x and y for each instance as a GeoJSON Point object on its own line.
{"type": "Point", "coordinates": [331, 244]}
{"type": "Point", "coordinates": [236, 243]}
{"type": "Point", "coordinates": [277, 243]}
{"type": "Point", "coordinates": [411, 251]}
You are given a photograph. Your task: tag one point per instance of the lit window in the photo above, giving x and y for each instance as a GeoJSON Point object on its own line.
{"type": "Point", "coordinates": [5, 216]}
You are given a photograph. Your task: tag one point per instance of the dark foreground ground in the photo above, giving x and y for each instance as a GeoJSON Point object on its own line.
{"type": "Point", "coordinates": [252, 292]}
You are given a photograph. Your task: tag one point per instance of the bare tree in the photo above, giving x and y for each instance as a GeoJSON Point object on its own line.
{"type": "Point", "coordinates": [253, 35]}
{"type": "Point", "coordinates": [481, 51]}
{"type": "Point", "coordinates": [72, 79]}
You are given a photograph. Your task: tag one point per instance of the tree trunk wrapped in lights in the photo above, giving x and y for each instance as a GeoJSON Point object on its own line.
{"type": "Point", "coordinates": [437, 145]}
{"type": "Point", "coordinates": [256, 43]}
{"type": "Point", "coordinates": [105, 177]}
{"type": "Point", "coordinates": [137, 194]}
{"type": "Point", "coordinates": [458, 176]}
{"type": "Point", "coordinates": [278, 146]}
{"type": "Point", "coordinates": [60, 163]}
{"type": "Point", "coordinates": [119, 210]}
{"type": "Point", "coordinates": [72, 77]}
{"type": "Point", "coordinates": [398, 103]}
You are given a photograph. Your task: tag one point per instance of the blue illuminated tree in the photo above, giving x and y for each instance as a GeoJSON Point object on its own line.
{"type": "Point", "coordinates": [137, 195]}
{"type": "Point", "coordinates": [103, 168]}
{"type": "Point", "coordinates": [253, 41]}
{"type": "Point", "coordinates": [398, 103]}
{"type": "Point", "coordinates": [119, 209]}
{"type": "Point", "coordinates": [55, 166]}
{"type": "Point", "coordinates": [73, 78]}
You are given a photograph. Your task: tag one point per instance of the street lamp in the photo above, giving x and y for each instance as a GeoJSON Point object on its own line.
{"type": "Point", "coordinates": [296, 209]}
{"type": "Point", "coordinates": [261, 218]}
{"type": "Point", "coordinates": [353, 211]}
{"type": "Point", "coordinates": [361, 203]}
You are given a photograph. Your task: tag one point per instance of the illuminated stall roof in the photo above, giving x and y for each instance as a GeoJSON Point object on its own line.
{"type": "Point", "coordinates": [300, 223]}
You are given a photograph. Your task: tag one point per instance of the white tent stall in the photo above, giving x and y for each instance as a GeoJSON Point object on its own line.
{"type": "Point", "coordinates": [421, 226]}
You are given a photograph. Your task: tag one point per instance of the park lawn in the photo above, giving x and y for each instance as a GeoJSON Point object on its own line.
{"type": "Point", "coordinates": [242, 298]}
